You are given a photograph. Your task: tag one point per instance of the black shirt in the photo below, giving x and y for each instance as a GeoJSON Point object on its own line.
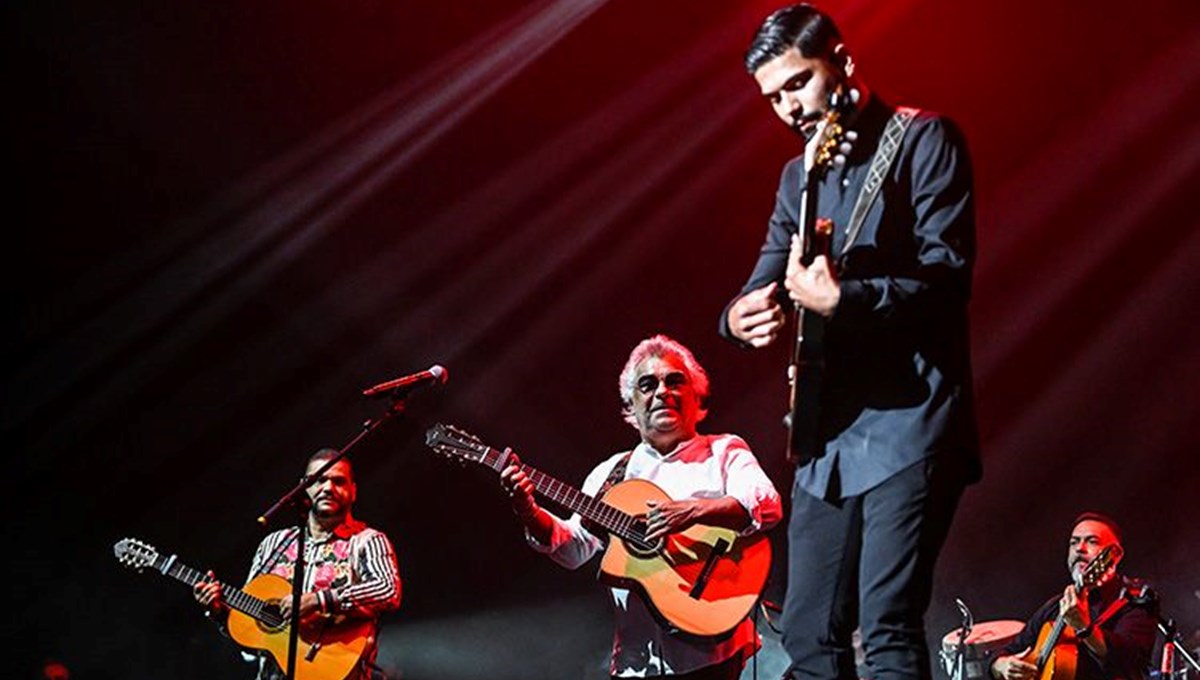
{"type": "Point", "coordinates": [1129, 634]}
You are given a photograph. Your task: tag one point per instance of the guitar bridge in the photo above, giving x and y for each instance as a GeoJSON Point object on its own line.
{"type": "Point", "coordinates": [718, 551]}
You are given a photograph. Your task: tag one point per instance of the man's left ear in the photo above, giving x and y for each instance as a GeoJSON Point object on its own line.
{"type": "Point", "coordinates": [843, 59]}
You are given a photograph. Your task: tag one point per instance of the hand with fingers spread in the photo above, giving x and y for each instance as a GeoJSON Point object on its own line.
{"type": "Point", "coordinates": [814, 287]}
{"type": "Point", "coordinates": [756, 318]}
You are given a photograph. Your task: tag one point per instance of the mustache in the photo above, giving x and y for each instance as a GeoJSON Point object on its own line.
{"type": "Point", "coordinates": [800, 121]}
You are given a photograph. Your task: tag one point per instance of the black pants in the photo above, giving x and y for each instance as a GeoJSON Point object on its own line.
{"type": "Point", "coordinates": [867, 561]}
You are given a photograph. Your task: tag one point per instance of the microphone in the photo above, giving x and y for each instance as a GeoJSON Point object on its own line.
{"type": "Point", "coordinates": [435, 374]}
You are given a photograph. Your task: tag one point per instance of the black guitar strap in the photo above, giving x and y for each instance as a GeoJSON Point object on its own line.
{"type": "Point", "coordinates": [885, 153]}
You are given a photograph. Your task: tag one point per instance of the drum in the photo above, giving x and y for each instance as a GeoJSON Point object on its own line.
{"type": "Point", "coordinates": [985, 637]}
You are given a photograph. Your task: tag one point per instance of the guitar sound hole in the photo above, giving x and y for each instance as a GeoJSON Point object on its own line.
{"type": "Point", "coordinates": [638, 545]}
{"type": "Point", "coordinates": [272, 619]}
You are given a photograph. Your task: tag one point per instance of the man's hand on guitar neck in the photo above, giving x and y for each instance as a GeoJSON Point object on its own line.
{"type": "Point", "coordinates": [1075, 613]}
{"type": "Point", "coordinates": [520, 489]}
{"type": "Point", "coordinates": [1073, 609]}
{"type": "Point", "coordinates": [208, 593]}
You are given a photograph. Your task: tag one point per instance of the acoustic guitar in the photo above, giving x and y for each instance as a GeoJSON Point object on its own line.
{"type": "Point", "coordinates": [701, 581]}
{"type": "Point", "coordinates": [327, 651]}
{"type": "Point", "coordinates": [1055, 653]}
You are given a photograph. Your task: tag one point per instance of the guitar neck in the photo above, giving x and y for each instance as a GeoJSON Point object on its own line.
{"type": "Point", "coordinates": [592, 509]}
{"type": "Point", "coordinates": [1051, 642]}
{"type": "Point", "coordinates": [235, 597]}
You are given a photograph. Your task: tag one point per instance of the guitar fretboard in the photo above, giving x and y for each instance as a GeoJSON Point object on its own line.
{"type": "Point", "coordinates": [235, 597]}
{"type": "Point", "coordinates": [592, 509]}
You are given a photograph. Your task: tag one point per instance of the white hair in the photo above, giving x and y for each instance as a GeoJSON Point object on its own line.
{"type": "Point", "coordinates": [660, 346]}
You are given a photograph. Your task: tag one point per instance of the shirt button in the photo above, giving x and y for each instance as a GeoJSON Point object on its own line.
{"type": "Point", "coordinates": [846, 182]}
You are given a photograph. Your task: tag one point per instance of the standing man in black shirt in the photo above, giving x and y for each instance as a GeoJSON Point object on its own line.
{"type": "Point", "coordinates": [895, 439]}
{"type": "Point", "coordinates": [1112, 638]}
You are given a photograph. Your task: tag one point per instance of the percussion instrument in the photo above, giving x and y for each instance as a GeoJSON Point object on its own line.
{"type": "Point", "coordinates": [967, 659]}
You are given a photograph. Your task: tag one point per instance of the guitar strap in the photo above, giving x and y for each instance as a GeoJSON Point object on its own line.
{"type": "Point", "coordinates": [615, 476]}
{"type": "Point", "coordinates": [278, 552]}
{"type": "Point", "coordinates": [1110, 611]}
{"type": "Point", "coordinates": [889, 144]}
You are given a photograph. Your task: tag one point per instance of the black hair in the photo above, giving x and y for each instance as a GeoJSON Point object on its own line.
{"type": "Point", "coordinates": [1103, 519]}
{"type": "Point", "coordinates": [327, 454]}
{"type": "Point", "coordinates": [801, 26]}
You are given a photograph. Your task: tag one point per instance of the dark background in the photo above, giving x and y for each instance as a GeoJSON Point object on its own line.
{"type": "Point", "coordinates": [229, 218]}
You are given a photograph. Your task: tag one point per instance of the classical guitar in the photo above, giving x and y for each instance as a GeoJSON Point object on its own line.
{"type": "Point", "coordinates": [1055, 653]}
{"type": "Point", "coordinates": [702, 581]}
{"type": "Point", "coordinates": [327, 652]}
{"type": "Point", "coordinates": [807, 367]}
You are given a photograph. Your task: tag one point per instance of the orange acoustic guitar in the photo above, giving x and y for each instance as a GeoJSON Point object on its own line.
{"type": "Point", "coordinates": [1055, 653]}
{"type": "Point", "coordinates": [327, 652]}
{"type": "Point", "coordinates": [702, 581]}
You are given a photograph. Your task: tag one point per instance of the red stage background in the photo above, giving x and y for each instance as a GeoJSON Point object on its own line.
{"type": "Point", "coordinates": [232, 217]}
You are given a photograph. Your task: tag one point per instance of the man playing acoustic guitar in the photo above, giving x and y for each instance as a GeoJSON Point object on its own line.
{"type": "Point", "coordinates": [712, 480]}
{"type": "Point", "coordinates": [350, 569]}
{"type": "Point", "coordinates": [1108, 638]}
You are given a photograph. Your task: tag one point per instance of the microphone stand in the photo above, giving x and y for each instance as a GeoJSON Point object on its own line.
{"type": "Point", "coordinates": [968, 622]}
{"type": "Point", "coordinates": [297, 500]}
{"type": "Point", "coordinates": [1147, 599]}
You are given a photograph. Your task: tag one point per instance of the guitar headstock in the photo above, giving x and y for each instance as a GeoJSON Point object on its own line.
{"type": "Point", "coordinates": [1098, 567]}
{"type": "Point", "coordinates": [135, 554]}
{"type": "Point", "coordinates": [455, 443]}
{"type": "Point", "coordinates": [835, 142]}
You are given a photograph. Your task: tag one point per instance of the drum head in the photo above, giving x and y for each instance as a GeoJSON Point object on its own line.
{"type": "Point", "coordinates": [988, 634]}
{"type": "Point", "coordinates": [985, 637]}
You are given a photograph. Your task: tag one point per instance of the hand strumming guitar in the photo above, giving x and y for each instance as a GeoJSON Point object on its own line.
{"type": "Point", "coordinates": [1013, 667]}
{"type": "Point", "coordinates": [814, 287]}
{"type": "Point", "coordinates": [668, 517]}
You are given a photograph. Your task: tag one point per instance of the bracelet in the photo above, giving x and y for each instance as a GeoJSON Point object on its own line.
{"type": "Point", "coordinates": [1084, 633]}
{"type": "Point", "coordinates": [323, 600]}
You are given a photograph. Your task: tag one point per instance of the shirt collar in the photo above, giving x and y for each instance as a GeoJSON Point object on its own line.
{"type": "Point", "coordinates": [673, 453]}
{"type": "Point", "coordinates": [343, 531]}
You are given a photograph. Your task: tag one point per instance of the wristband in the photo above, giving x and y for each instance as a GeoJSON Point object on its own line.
{"type": "Point", "coordinates": [323, 600]}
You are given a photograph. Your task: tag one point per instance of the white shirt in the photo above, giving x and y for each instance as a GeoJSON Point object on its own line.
{"type": "Point", "coordinates": [706, 466]}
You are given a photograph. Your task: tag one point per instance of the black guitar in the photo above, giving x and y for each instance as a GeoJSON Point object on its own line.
{"type": "Point", "coordinates": [807, 368]}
